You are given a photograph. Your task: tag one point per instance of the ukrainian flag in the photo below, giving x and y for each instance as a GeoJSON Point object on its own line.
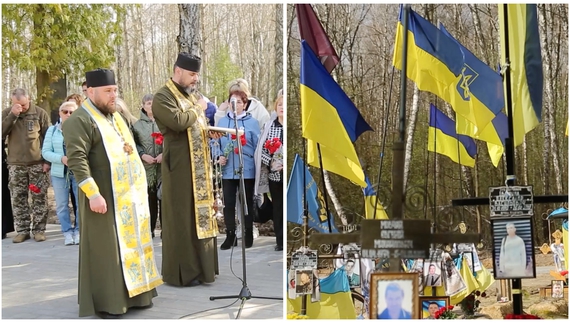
{"type": "Point", "coordinates": [315, 201]}
{"type": "Point", "coordinates": [470, 281]}
{"type": "Point", "coordinates": [370, 197]}
{"type": "Point", "coordinates": [330, 119]}
{"type": "Point", "coordinates": [487, 85]}
{"type": "Point", "coordinates": [436, 64]}
{"type": "Point", "coordinates": [335, 162]}
{"type": "Point", "coordinates": [336, 300]}
{"type": "Point", "coordinates": [525, 66]}
{"type": "Point", "coordinates": [443, 139]}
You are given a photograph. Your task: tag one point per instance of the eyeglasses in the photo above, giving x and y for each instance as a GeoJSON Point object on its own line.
{"type": "Point", "coordinates": [66, 111]}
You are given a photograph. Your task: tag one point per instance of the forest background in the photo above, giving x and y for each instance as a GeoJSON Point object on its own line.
{"type": "Point", "coordinates": [47, 48]}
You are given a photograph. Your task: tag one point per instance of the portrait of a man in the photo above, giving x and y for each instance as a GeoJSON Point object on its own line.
{"type": "Point", "coordinates": [512, 246]}
{"type": "Point", "coordinates": [433, 275]}
{"type": "Point", "coordinates": [303, 282]}
{"type": "Point", "coordinates": [353, 278]}
{"type": "Point", "coordinates": [394, 298]}
{"type": "Point", "coordinates": [454, 283]}
{"type": "Point", "coordinates": [557, 289]}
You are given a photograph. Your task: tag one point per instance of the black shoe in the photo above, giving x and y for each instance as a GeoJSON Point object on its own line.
{"type": "Point", "coordinates": [230, 240]}
{"type": "Point", "coordinates": [278, 248]}
{"type": "Point", "coordinates": [152, 235]}
{"type": "Point", "coordinates": [109, 316]}
{"type": "Point", "coordinates": [248, 238]}
{"type": "Point", "coordinates": [195, 283]}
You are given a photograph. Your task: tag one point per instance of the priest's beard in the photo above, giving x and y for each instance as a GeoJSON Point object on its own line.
{"type": "Point", "coordinates": [190, 89]}
{"type": "Point", "coordinates": [107, 108]}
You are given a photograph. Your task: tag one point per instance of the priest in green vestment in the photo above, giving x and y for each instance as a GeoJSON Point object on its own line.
{"type": "Point", "coordinates": [189, 255]}
{"type": "Point", "coordinates": [117, 270]}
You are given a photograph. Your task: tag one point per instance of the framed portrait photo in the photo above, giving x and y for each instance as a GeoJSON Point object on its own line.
{"type": "Point", "coordinates": [431, 304]}
{"type": "Point", "coordinates": [432, 273]}
{"type": "Point", "coordinates": [557, 289]}
{"type": "Point", "coordinates": [513, 248]}
{"type": "Point", "coordinates": [303, 281]}
{"type": "Point", "coordinates": [394, 296]}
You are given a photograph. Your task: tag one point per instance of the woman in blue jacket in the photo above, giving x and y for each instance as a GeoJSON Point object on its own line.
{"type": "Point", "coordinates": [228, 157]}
{"type": "Point", "coordinates": [53, 150]}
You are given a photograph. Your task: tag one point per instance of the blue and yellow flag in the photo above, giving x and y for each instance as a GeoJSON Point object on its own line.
{"type": "Point", "coordinates": [487, 85]}
{"type": "Point", "coordinates": [443, 139]}
{"type": "Point", "coordinates": [436, 64]}
{"type": "Point", "coordinates": [334, 162]}
{"type": "Point", "coordinates": [525, 66]}
{"type": "Point", "coordinates": [315, 201]}
{"type": "Point", "coordinates": [330, 119]}
{"type": "Point", "coordinates": [470, 282]}
{"type": "Point", "coordinates": [336, 300]}
{"type": "Point", "coordinates": [370, 197]}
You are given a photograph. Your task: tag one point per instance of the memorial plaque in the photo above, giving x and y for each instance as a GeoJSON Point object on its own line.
{"type": "Point", "coordinates": [511, 201]}
{"type": "Point", "coordinates": [301, 260]}
{"type": "Point", "coordinates": [408, 239]}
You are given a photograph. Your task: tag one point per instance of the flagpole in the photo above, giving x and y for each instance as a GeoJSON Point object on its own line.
{"type": "Point", "coordinates": [398, 147]}
{"type": "Point", "coordinates": [305, 217]}
{"type": "Point", "coordinates": [324, 188]}
{"type": "Point", "coordinates": [384, 130]}
{"type": "Point", "coordinates": [509, 149]}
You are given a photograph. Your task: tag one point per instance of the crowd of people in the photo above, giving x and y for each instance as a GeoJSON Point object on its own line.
{"type": "Point", "coordinates": [123, 175]}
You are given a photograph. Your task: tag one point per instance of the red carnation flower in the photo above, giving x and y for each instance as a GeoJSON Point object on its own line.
{"type": "Point", "coordinates": [158, 138]}
{"type": "Point", "coordinates": [236, 150]}
{"type": "Point", "coordinates": [34, 188]}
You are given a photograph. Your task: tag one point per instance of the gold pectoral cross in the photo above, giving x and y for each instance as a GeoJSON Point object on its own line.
{"type": "Point", "coordinates": [128, 148]}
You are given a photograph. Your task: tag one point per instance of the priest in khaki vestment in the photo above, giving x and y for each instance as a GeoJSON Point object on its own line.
{"type": "Point", "coordinates": [189, 255]}
{"type": "Point", "coordinates": [117, 269]}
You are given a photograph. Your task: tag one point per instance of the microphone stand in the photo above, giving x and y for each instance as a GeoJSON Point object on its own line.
{"type": "Point", "coordinates": [244, 293]}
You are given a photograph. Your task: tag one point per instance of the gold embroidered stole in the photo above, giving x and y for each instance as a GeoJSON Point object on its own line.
{"type": "Point", "coordinates": [200, 161]}
{"type": "Point", "coordinates": [132, 215]}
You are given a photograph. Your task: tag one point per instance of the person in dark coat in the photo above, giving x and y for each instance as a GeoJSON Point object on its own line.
{"type": "Point", "coordinates": [7, 218]}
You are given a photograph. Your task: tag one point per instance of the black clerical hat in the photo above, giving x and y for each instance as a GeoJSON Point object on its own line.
{"type": "Point", "coordinates": [100, 77]}
{"type": "Point", "coordinates": [188, 62]}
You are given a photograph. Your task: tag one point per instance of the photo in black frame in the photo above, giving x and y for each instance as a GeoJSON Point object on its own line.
{"type": "Point", "coordinates": [513, 248]}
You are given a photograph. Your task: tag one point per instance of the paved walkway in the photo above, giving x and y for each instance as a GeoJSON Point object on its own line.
{"type": "Point", "coordinates": [39, 281]}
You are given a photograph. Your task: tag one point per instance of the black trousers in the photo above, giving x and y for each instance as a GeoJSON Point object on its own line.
{"type": "Point", "coordinates": [153, 205]}
{"type": "Point", "coordinates": [74, 206]}
{"type": "Point", "coordinates": [230, 189]}
{"type": "Point", "coordinates": [276, 191]}
{"type": "Point", "coordinates": [7, 216]}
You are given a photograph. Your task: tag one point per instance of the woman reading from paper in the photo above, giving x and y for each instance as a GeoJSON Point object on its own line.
{"type": "Point", "coordinates": [227, 154]}
{"type": "Point", "coordinates": [512, 257]}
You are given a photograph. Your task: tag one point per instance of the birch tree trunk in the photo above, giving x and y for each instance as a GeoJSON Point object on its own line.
{"type": "Point", "coordinates": [334, 199]}
{"type": "Point", "coordinates": [189, 37]}
{"type": "Point", "coordinates": [278, 49]}
{"type": "Point", "coordinates": [551, 83]}
{"type": "Point", "coordinates": [146, 86]}
{"type": "Point", "coordinates": [410, 131]}
{"type": "Point", "coordinates": [546, 103]}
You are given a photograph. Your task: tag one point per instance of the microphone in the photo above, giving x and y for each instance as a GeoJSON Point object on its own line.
{"type": "Point", "coordinates": [233, 102]}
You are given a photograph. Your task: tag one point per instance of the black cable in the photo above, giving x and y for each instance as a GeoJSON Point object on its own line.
{"type": "Point", "coordinates": [211, 309]}
{"type": "Point", "coordinates": [232, 255]}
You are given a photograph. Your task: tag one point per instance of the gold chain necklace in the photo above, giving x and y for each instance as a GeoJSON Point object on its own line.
{"type": "Point", "coordinates": [126, 146]}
